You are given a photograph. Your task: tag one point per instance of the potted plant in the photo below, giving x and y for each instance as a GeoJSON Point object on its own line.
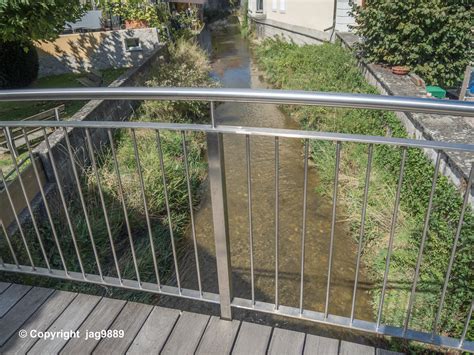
{"type": "Point", "coordinates": [135, 13]}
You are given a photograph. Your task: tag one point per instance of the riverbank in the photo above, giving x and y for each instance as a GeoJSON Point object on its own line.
{"type": "Point", "coordinates": [329, 67]}
{"type": "Point", "coordinates": [186, 65]}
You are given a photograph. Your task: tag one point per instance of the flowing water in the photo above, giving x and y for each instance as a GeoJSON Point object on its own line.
{"type": "Point", "coordinates": [234, 67]}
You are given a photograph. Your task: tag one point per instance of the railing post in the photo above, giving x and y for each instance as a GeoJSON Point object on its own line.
{"type": "Point", "coordinates": [215, 151]}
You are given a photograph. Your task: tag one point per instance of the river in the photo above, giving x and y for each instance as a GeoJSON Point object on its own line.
{"type": "Point", "coordinates": [234, 67]}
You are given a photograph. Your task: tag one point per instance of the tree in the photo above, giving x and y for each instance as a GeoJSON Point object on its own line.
{"type": "Point", "coordinates": [432, 37]}
{"type": "Point", "coordinates": [36, 20]}
{"type": "Point", "coordinates": [23, 22]}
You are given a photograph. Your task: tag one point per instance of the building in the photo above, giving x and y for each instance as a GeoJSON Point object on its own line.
{"type": "Point", "coordinates": [303, 21]}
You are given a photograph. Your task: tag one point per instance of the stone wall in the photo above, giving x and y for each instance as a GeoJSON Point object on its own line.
{"type": "Point", "coordinates": [95, 50]}
{"type": "Point", "coordinates": [454, 165]}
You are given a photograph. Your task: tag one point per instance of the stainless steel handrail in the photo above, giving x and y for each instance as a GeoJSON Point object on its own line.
{"type": "Point", "coordinates": [392, 103]}
{"type": "Point", "coordinates": [217, 176]}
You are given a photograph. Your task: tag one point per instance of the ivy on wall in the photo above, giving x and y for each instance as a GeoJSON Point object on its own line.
{"type": "Point", "coordinates": [433, 38]}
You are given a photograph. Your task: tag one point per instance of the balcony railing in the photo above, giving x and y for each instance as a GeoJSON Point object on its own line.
{"type": "Point", "coordinates": [79, 145]}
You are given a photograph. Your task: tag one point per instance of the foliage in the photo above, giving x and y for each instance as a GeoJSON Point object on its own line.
{"type": "Point", "coordinates": [432, 37]}
{"type": "Point", "coordinates": [328, 67]}
{"type": "Point", "coordinates": [188, 65]}
{"type": "Point", "coordinates": [134, 10]}
{"type": "Point", "coordinates": [35, 20]}
{"type": "Point", "coordinates": [18, 67]}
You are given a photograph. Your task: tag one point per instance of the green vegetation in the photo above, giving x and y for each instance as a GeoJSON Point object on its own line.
{"type": "Point", "coordinates": [432, 37]}
{"type": "Point", "coordinates": [21, 23]}
{"type": "Point", "coordinates": [187, 66]}
{"type": "Point", "coordinates": [329, 67]}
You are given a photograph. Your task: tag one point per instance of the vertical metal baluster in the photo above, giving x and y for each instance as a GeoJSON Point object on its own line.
{"type": "Point", "coordinates": [303, 232]}
{"type": "Point", "coordinates": [102, 201]}
{"type": "Point", "coordinates": [145, 205]}
{"type": "Point", "coordinates": [392, 234]}
{"type": "Point", "coordinates": [453, 250]}
{"type": "Point", "coordinates": [220, 220]}
{"type": "Point", "coordinates": [362, 228]}
{"type": "Point", "coordinates": [213, 119]}
{"type": "Point", "coordinates": [28, 205]}
{"type": "Point", "coordinates": [56, 114]}
{"type": "Point", "coordinates": [17, 220]}
{"type": "Point", "coordinates": [124, 208]}
{"type": "Point", "coordinates": [466, 326]}
{"type": "Point", "coordinates": [81, 198]}
{"type": "Point", "coordinates": [63, 200]}
{"type": "Point", "coordinates": [249, 196]}
{"type": "Point", "coordinates": [333, 226]}
{"type": "Point", "coordinates": [45, 201]}
{"type": "Point", "coordinates": [168, 211]}
{"type": "Point", "coordinates": [191, 211]}
{"type": "Point", "coordinates": [422, 244]}
{"type": "Point", "coordinates": [277, 221]}
{"type": "Point", "coordinates": [7, 238]}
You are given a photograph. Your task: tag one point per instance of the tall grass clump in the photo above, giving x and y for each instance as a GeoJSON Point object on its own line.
{"type": "Point", "coordinates": [329, 67]}
{"type": "Point", "coordinates": [186, 65]}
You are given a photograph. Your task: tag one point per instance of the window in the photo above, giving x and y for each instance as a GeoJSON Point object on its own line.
{"type": "Point", "coordinates": [259, 5]}
{"type": "Point", "coordinates": [282, 6]}
{"type": "Point", "coordinates": [132, 44]}
{"type": "Point", "coordinates": [274, 5]}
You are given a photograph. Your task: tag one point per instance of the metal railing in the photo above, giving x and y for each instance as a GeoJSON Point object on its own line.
{"type": "Point", "coordinates": [217, 177]}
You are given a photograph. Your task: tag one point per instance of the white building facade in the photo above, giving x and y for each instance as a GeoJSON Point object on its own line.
{"type": "Point", "coordinates": [303, 21]}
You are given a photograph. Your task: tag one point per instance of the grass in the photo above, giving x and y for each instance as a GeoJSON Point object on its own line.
{"type": "Point", "coordinates": [329, 67]}
{"type": "Point", "coordinates": [12, 111]}
{"type": "Point", "coordinates": [195, 73]}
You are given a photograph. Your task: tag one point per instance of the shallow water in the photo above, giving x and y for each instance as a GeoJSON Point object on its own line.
{"type": "Point", "coordinates": [234, 67]}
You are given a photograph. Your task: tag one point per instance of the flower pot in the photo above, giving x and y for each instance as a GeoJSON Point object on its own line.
{"type": "Point", "coordinates": [132, 24]}
{"type": "Point", "coordinates": [400, 70]}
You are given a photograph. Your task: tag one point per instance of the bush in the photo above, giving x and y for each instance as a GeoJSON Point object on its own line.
{"type": "Point", "coordinates": [18, 65]}
{"type": "Point", "coordinates": [432, 37]}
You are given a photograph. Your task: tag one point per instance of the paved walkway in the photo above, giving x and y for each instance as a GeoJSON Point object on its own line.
{"type": "Point", "coordinates": [136, 328]}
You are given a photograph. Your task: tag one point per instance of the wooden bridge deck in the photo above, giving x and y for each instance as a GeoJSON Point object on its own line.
{"type": "Point", "coordinates": [146, 329]}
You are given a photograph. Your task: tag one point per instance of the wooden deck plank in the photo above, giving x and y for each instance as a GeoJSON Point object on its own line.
{"type": "Point", "coordinates": [99, 319]}
{"type": "Point", "coordinates": [70, 320]}
{"type": "Point", "coordinates": [286, 342]}
{"type": "Point", "coordinates": [4, 286]}
{"type": "Point", "coordinates": [218, 337]}
{"type": "Point", "coordinates": [21, 311]}
{"type": "Point", "coordinates": [186, 334]}
{"type": "Point", "coordinates": [11, 296]}
{"type": "Point", "coordinates": [348, 348]}
{"type": "Point", "coordinates": [252, 339]}
{"type": "Point", "coordinates": [154, 333]}
{"type": "Point", "coordinates": [130, 320]}
{"type": "Point", "coordinates": [316, 345]}
{"type": "Point", "coordinates": [39, 321]}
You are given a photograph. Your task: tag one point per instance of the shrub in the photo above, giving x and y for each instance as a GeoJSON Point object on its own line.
{"type": "Point", "coordinates": [432, 37]}
{"type": "Point", "coordinates": [18, 65]}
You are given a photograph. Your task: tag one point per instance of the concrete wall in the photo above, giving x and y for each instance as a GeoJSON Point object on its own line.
{"type": "Point", "coordinates": [95, 50]}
